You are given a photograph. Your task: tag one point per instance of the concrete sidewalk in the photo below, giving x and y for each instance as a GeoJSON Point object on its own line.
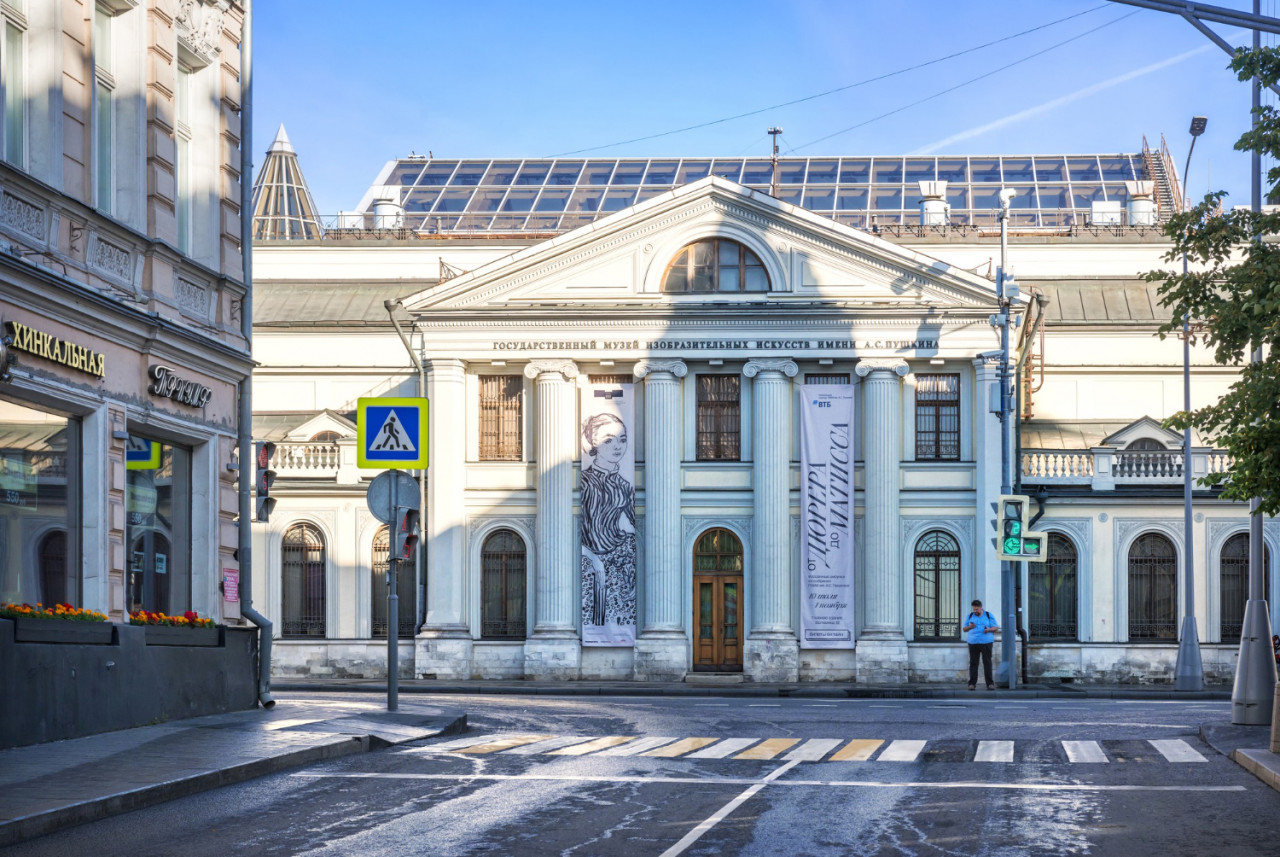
{"type": "Point", "coordinates": [712, 685]}
{"type": "Point", "coordinates": [47, 787]}
{"type": "Point", "coordinates": [1248, 746]}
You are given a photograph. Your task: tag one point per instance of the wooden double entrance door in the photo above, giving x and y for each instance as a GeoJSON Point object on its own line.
{"type": "Point", "coordinates": [717, 602]}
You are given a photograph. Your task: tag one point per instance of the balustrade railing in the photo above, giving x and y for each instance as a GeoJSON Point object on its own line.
{"type": "Point", "coordinates": [1148, 466]}
{"type": "Point", "coordinates": [1054, 465]}
{"type": "Point", "coordinates": [303, 460]}
{"type": "Point", "coordinates": [1103, 467]}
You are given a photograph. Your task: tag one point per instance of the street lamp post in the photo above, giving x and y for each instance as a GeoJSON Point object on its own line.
{"type": "Point", "coordinates": [1188, 674]}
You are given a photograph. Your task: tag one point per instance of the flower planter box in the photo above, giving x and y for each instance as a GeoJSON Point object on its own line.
{"type": "Point", "coordinates": [31, 630]}
{"type": "Point", "coordinates": [170, 635]}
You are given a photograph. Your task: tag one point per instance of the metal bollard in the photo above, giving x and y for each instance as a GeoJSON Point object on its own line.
{"type": "Point", "coordinates": [1275, 720]}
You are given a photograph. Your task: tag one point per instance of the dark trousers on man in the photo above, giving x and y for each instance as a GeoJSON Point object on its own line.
{"type": "Point", "coordinates": [980, 650]}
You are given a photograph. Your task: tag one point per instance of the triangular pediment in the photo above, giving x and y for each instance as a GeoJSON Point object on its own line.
{"type": "Point", "coordinates": [621, 260]}
{"type": "Point", "coordinates": [1144, 429]}
{"type": "Point", "coordinates": [324, 422]}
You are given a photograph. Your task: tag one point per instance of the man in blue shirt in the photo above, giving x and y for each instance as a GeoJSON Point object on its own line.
{"type": "Point", "coordinates": [981, 627]}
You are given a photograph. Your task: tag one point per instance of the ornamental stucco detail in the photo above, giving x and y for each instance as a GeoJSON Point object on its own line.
{"type": "Point", "coordinates": [896, 365]}
{"type": "Point", "coordinates": [23, 216]}
{"type": "Point", "coordinates": [673, 367]}
{"type": "Point", "coordinates": [198, 24]}
{"type": "Point", "coordinates": [192, 298]}
{"type": "Point", "coordinates": [111, 260]}
{"type": "Point", "coordinates": [481, 526]}
{"type": "Point", "coordinates": [914, 526]}
{"type": "Point", "coordinates": [785, 367]}
{"type": "Point", "coordinates": [566, 368]}
{"type": "Point", "coordinates": [740, 526]}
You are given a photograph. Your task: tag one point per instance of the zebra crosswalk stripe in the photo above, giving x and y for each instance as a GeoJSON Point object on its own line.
{"type": "Point", "coordinates": [766, 750]}
{"type": "Point", "coordinates": [540, 747]}
{"type": "Point", "coordinates": [1084, 751]}
{"type": "Point", "coordinates": [680, 748]}
{"type": "Point", "coordinates": [1177, 750]}
{"type": "Point", "coordinates": [723, 748]}
{"type": "Point", "coordinates": [502, 744]}
{"type": "Point", "coordinates": [994, 751]}
{"type": "Point", "coordinates": [638, 746]}
{"type": "Point", "coordinates": [812, 750]}
{"type": "Point", "coordinates": [857, 750]}
{"type": "Point", "coordinates": [592, 746]}
{"type": "Point", "coordinates": [902, 751]}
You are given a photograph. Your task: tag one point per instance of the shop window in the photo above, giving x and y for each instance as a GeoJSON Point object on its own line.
{"type": "Point", "coordinates": [501, 417]}
{"type": "Point", "coordinates": [937, 418]}
{"type": "Point", "coordinates": [1153, 589]}
{"type": "Point", "coordinates": [1233, 568]}
{"type": "Point", "coordinates": [39, 506]}
{"type": "Point", "coordinates": [158, 529]}
{"type": "Point", "coordinates": [406, 590]}
{"type": "Point", "coordinates": [1052, 591]}
{"type": "Point", "coordinates": [502, 587]}
{"type": "Point", "coordinates": [303, 567]}
{"type": "Point", "coordinates": [719, 417]}
{"type": "Point", "coordinates": [715, 265]}
{"type": "Point", "coordinates": [937, 587]}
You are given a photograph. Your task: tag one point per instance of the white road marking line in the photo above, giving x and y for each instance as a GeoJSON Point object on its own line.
{"type": "Point", "coordinates": [901, 751]}
{"type": "Point", "coordinates": [285, 724]}
{"type": "Point", "coordinates": [883, 706]}
{"type": "Point", "coordinates": [821, 705]}
{"type": "Point", "coordinates": [711, 705]}
{"type": "Point", "coordinates": [637, 746]}
{"type": "Point", "coordinates": [726, 747]}
{"type": "Point", "coordinates": [764, 705]}
{"type": "Point", "coordinates": [694, 835]}
{"type": "Point", "coordinates": [812, 750]}
{"type": "Point", "coordinates": [1177, 750]}
{"type": "Point", "coordinates": [469, 741]}
{"type": "Point", "coordinates": [1084, 751]}
{"type": "Point", "coordinates": [727, 781]}
{"type": "Point", "coordinates": [994, 751]}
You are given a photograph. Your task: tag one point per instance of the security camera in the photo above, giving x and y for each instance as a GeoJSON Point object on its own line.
{"type": "Point", "coordinates": [1007, 194]}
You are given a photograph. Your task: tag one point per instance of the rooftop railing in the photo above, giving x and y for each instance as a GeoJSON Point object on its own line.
{"type": "Point", "coordinates": [1103, 468]}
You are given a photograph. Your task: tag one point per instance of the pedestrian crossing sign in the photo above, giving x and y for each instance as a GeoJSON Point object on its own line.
{"type": "Point", "coordinates": [392, 433]}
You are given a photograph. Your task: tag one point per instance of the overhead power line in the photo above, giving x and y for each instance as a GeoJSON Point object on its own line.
{"type": "Point", "coordinates": [838, 89]}
{"type": "Point", "coordinates": [943, 92]}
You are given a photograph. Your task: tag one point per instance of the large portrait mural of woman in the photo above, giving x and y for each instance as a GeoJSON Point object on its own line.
{"type": "Point", "coordinates": [608, 516]}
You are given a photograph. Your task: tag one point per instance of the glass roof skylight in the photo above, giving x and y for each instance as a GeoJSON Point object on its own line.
{"type": "Point", "coordinates": [442, 196]}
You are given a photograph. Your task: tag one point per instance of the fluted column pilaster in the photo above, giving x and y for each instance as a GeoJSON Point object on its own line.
{"type": "Point", "coordinates": [771, 651]}
{"type": "Point", "coordinates": [662, 548]}
{"type": "Point", "coordinates": [556, 578]}
{"type": "Point", "coordinates": [882, 403]}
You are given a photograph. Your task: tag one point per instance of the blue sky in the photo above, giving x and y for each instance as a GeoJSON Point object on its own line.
{"type": "Point", "coordinates": [357, 85]}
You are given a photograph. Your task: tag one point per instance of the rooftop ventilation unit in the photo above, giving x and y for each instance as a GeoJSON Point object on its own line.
{"type": "Point", "coordinates": [934, 208]}
{"type": "Point", "coordinates": [1142, 205]}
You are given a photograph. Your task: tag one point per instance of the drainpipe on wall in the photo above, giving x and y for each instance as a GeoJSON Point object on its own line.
{"type": "Point", "coordinates": [245, 398]}
{"type": "Point", "coordinates": [390, 307]}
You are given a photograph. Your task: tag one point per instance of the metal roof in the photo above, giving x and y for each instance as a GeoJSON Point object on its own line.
{"type": "Point", "coordinates": [327, 303]}
{"type": "Point", "coordinates": [1102, 301]}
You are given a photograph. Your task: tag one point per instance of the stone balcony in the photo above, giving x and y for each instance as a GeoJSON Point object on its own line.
{"type": "Point", "coordinates": [318, 461]}
{"type": "Point", "coordinates": [1104, 468]}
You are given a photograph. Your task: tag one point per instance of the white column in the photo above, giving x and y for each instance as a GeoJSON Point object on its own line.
{"type": "Point", "coordinates": [772, 652]}
{"type": "Point", "coordinates": [553, 649]}
{"type": "Point", "coordinates": [662, 649]}
{"type": "Point", "coordinates": [986, 456]}
{"type": "Point", "coordinates": [882, 649]}
{"type": "Point", "coordinates": [444, 646]}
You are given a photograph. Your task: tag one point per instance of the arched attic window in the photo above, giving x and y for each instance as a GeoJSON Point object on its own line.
{"type": "Point", "coordinates": [715, 265]}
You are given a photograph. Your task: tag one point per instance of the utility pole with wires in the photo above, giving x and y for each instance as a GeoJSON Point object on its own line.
{"type": "Point", "coordinates": [774, 132]}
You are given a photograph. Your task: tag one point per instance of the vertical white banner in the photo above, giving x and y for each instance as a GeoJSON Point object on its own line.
{"type": "Point", "coordinates": [608, 515]}
{"type": "Point", "coordinates": [826, 517]}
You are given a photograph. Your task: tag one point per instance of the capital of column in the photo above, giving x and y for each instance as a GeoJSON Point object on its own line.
{"type": "Point", "coordinates": [566, 368]}
{"type": "Point", "coordinates": [445, 366]}
{"type": "Point", "coordinates": [671, 367]}
{"type": "Point", "coordinates": [782, 366]}
{"type": "Point", "coordinates": [896, 365]}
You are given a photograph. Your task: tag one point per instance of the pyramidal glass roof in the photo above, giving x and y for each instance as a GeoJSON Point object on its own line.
{"type": "Point", "coordinates": [282, 203]}
{"type": "Point", "coordinates": [455, 196]}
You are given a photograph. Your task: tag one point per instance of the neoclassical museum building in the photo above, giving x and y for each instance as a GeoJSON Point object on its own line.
{"type": "Point", "coordinates": [734, 417]}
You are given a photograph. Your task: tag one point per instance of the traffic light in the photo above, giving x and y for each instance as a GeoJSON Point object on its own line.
{"type": "Point", "coordinates": [1016, 542]}
{"type": "Point", "coordinates": [263, 452]}
{"type": "Point", "coordinates": [406, 532]}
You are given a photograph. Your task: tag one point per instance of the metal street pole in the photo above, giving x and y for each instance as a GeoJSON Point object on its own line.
{"type": "Point", "coordinates": [393, 602]}
{"type": "Point", "coordinates": [1188, 673]}
{"type": "Point", "coordinates": [1008, 641]}
{"type": "Point", "coordinates": [1255, 685]}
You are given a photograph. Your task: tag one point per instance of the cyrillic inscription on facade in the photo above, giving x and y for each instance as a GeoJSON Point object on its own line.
{"type": "Point", "coordinates": [165, 383]}
{"type": "Point", "coordinates": [49, 347]}
{"type": "Point", "coordinates": [788, 345]}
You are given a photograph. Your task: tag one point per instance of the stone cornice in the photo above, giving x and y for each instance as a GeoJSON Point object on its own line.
{"type": "Point", "coordinates": [671, 367]}
{"type": "Point", "coordinates": [567, 368]}
{"type": "Point", "coordinates": [755, 367]}
{"type": "Point", "coordinates": [896, 365]}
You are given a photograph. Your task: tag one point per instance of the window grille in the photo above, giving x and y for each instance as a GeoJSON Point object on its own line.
{"type": "Point", "coordinates": [1052, 592]}
{"type": "Point", "coordinates": [1233, 570]}
{"type": "Point", "coordinates": [611, 379]}
{"type": "Point", "coordinates": [501, 418]}
{"type": "Point", "coordinates": [303, 566]}
{"type": "Point", "coordinates": [937, 587]}
{"type": "Point", "coordinates": [937, 418]}
{"type": "Point", "coordinates": [838, 379]}
{"type": "Point", "coordinates": [406, 591]}
{"type": "Point", "coordinates": [1153, 589]}
{"type": "Point", "coordinates": [502, 587]}
{"type": "Point", "coordinates": [719, 418]}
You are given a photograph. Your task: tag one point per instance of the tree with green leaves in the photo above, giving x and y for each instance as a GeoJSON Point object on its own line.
{"type": "Point", "coordinates": [1231, 294]}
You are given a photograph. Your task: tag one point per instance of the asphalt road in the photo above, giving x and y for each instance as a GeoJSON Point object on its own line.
{"type": "Point", "coordinates": [708, 776]}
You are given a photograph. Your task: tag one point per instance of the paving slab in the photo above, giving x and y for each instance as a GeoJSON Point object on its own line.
{"type": "Point", "coordinates": [47, 787]}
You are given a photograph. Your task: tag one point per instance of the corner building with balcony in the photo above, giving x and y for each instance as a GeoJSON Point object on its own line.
{"type": "Point", "coordinates": [717, 296]}
{"type": "Point", "coordinates": [121, 285]}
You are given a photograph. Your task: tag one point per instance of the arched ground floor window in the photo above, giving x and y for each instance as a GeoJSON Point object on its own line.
{"type": "Point", "coordinates": [406, 589]}
{"type": "Point", "coordinates": [1153, 588]}
{"type": "Point", "coordinates": [502, 586]}
{"type": "Point", "coordinates": [1052, 590]}
{"type": "Point", "coordinates": [937, 587]}
{"type": "Point", "coordinates": [1233, 567]}
{"type": "Point", "coordinates": [303, 570]}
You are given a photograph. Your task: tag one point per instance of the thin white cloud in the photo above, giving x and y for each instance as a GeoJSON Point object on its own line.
{"type": "Point", "coordinates": [1058, 102]}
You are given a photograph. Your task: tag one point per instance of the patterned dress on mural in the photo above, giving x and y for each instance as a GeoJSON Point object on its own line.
{"type": "Point", "coordinates": [606, 498]}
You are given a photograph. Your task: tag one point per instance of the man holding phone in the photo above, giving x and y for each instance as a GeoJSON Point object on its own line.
{"type": "Point", "coordinates": [981, 627]}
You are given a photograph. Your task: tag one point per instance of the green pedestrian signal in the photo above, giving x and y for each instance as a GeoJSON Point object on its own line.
{"type": "Point", "coordinates": [1016, 541]}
